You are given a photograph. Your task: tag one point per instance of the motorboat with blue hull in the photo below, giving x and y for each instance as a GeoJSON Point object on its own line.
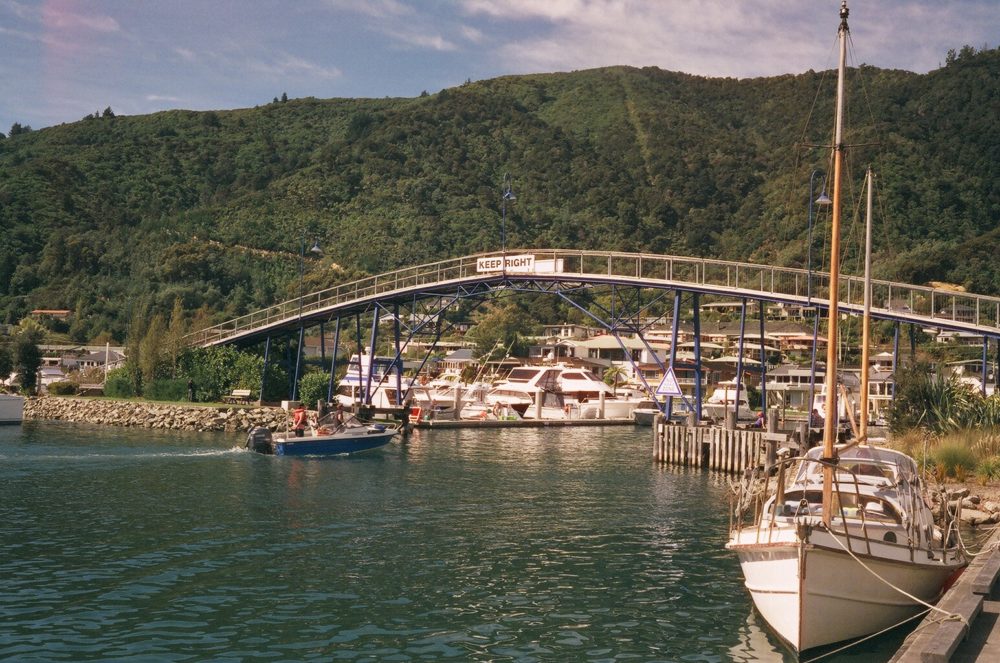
{"type": "Point", "coordinates": [328, 438]}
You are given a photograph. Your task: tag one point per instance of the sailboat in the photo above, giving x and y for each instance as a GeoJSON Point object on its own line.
{"type": "Point", "coordinates": [841, 543]}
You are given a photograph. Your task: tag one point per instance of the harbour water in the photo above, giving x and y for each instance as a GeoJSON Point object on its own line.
{"type": "Point", "coordinates": [498, 545]}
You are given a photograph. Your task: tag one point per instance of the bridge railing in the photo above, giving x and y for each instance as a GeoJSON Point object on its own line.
{"type": "Point", "coordinates": [724, 278]}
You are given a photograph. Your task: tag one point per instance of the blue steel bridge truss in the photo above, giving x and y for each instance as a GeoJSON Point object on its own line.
{"type": "Point", "coordinates": [639, 284]}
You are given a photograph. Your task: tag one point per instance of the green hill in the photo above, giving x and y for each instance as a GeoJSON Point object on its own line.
{"type": "Point", "coordinates": [212, 207]}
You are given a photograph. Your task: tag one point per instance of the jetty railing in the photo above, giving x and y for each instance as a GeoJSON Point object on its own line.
{"type": "Point", "coordinates": [940, 307]}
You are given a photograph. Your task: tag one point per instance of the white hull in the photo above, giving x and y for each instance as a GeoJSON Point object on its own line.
{"type": "Point", "coordinates": [11, 409]}
{"type": "Point", "coordinates": [813, 594]}
{"type": "Point", "coordinates": [613, 408]}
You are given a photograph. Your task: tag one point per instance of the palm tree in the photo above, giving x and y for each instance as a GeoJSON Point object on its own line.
{"type": "Point", "coordinates": [614, 376]}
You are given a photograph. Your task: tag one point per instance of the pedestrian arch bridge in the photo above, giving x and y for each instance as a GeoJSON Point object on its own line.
{"type": "Point", "coordinates": [560, 271]}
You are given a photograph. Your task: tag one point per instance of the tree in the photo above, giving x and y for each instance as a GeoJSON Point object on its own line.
{"type": "Point", "coordinates": [108, 112]}
{"type": "Point", "coordinates": [614, 376]}
{"type": "Point", "coordinates": [6, 362]}
{"type": "Point", "coordinates": [152, 359]}
{"type": "Point", "coordinates": [174, 341]}
{"type": "Point", "coordinates": [133, 346]}
{"type": "Point", "coordinates": [17, 129]}
{"type": "Point", "coordinates": [284, 97]}
{"type": "Point", "coordinates": [27, 354]}
{"type": "Point", "coordinates": [502, 325]}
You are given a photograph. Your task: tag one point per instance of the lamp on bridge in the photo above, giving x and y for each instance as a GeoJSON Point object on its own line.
{"type": "Point", "coordinates": [507, 195]}
{"type": "Point", "coordinates": [824, 200]}
{"type": "Point", "coordinates": [315, 250]}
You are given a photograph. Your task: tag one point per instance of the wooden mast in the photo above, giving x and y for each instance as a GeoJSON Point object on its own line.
{"type": "Point", "coordinates": [830, 423]}
{"type": "Point", "coordinates": [866, 317]}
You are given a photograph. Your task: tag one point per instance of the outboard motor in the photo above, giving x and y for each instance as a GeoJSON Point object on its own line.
{"type": "Point", "coordinates": [259, 440]}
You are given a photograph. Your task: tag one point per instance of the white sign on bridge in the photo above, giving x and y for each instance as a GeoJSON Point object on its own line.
{"type": "Point", "coordinates": [519, 264]}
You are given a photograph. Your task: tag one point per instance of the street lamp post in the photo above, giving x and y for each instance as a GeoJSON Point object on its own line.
{"type": "Point", "coordinates": [316, 250]}
{"type": "Point", "coordinates": [507, 195]}
{"type": "Point", "coordinates": [823, 199]}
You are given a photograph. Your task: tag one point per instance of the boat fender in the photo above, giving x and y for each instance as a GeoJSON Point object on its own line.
{"type": "Point", "coordinates": [259, 440]}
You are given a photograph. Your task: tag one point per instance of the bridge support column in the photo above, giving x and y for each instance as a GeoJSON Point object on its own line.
{"type": "Point", "coordinates": [674, 327]}
{"type": "Point", "coordinates": [263, 372]}
{"type": "Point", "coordinates": [399, 358]}
{"type": "Point", "coordinates": [360, 400]}
{"type": "Point", "coordinates": [986, 352]}
{"type": "Point", "coordinates": [763, 361]}
{"type": "Point", "coordinates": [697, 357]}
{"type": "Point", "coordinates": [371, 357]}
{"type": "Point", "coordinates": [298, 363]}
{"type": "Point", "coordinates": [895, 358]}
{"type": "Point", "coordinates": [739, 360]}
{"type": "Point", "coordinates": [322, 344]}
{"type": "Point", "coordinates": [333, 361]}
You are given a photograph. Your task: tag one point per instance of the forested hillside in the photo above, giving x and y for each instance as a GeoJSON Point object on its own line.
{"type": "Point", "coordinates": [212, 207]}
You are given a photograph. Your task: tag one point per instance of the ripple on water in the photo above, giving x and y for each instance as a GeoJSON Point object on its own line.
{"type": "Point", "coordinates": [464, 545]}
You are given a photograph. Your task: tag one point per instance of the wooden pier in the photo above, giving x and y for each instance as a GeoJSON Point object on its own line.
{"type": "Point", "coordinates": [972, 633]}
{"type": "Point", "coordinates": [728, 449]}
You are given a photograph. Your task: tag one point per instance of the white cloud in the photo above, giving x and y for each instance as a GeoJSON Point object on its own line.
{"type": "Point", "coordinates": [185, 53]}
{"type": "Point", "coordinates": [55, 17]}
{"type": "Point", "coordinates": [374, 8]}
{"type": "Point", "coordinates": [286, 65]}
{"type": "Point", "coordinates": [162, 97]}
{"type": "Point", "coordinates": [471, 34]}
{"type": "Point", "coordinates": [420, 40]}
{"type": "Point", "coordinates": [725, 38]}
{"type": "Point", "coordinates": [20, 34]}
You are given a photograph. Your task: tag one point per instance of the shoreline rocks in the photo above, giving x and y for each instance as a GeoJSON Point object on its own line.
{"type": "Point", "coordinates": [137, 414]}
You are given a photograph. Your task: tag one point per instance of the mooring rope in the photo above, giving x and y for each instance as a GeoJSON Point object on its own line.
{"type": "Point", "coordinates": [855, 643]}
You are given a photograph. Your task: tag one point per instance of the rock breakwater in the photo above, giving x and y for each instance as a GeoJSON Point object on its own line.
{"type": "Point", "coordinates": [154, 415]}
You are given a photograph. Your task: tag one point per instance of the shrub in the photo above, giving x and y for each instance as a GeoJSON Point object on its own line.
{"type": "Point", "coordinates": [954, 459]}
{"type": "Point", "coordinates": [988, 445]}
{"type": "Point", "coordinates": [932, 402]}
{"type": "Point", "coordinates": [166, 390]}
{"type": "Point", "coordinates": [989, 469]}
{"type": "Point", "coordinates": [63, 388]}
{"type": "Point", "coordinates": [217, 371]}
{"type": "Point", "coordinates": [313, 387]}
{"type": "Point", "coordinates": [119, 384]}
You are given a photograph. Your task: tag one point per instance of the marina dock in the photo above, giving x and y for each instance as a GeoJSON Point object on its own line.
{"type": "Point", "coordinates": [973, 633]}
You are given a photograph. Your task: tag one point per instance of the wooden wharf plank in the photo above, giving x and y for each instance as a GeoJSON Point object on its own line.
{"type": "Point", "coordinates": [973, 597]}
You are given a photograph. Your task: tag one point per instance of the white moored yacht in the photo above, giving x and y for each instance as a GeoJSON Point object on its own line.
{"type": "Point", "coordinates": [566, 392]}
{"type": "Point", "coordinates": [848, 547]}
{"type": "Point", "coordinates": [870, 567]}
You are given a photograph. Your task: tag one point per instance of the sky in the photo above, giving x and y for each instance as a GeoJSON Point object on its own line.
{"type": "Point", "coordinates": [61, 60]}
